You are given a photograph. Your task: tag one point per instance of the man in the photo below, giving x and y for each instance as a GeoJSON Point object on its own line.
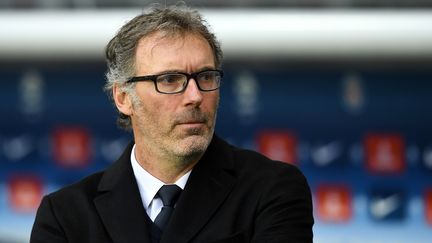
{"type": "Point", "coordinates": [177, 182]}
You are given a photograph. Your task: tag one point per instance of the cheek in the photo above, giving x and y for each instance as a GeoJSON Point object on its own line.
{"type": "Point", "coordinates": [163, 111]}
{"type": "Point", "coordinates": [213, 102]}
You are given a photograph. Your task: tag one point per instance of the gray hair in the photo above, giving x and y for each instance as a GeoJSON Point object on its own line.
{"type": "Point", "coordinates": [120, 51]}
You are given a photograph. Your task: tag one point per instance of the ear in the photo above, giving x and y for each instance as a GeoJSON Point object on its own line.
{"type": "Point", "coordinates": [122, 100]}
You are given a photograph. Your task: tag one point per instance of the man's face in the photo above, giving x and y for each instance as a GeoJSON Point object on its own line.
{"type": "Point", "coordinates": [179, 125]}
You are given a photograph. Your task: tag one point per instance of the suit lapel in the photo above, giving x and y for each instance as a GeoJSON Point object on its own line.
{"type": "Point", "coordinates": [211, 181]}
{"type": "Point", "coordinates": [119, 203]}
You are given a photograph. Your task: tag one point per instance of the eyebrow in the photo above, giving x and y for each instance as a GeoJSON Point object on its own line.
{"type": "Point", "coordinates": [182, 71]}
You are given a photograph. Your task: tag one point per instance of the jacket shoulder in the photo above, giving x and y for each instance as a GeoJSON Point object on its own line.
{"type": "Point", "coordinates": [89, 186]}
{"type": "Point", "coordinates": [85, 188]}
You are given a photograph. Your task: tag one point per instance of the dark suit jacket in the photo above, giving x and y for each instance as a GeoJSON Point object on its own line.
{"type": "Point", "coordinates": [232, 195]}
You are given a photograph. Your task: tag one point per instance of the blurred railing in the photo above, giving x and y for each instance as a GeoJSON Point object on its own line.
{"type": "Point", "coordinates": [245, 34]}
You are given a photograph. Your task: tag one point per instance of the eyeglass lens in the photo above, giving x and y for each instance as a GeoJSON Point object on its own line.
{"type": "Point", "coordinates": [176, 82]}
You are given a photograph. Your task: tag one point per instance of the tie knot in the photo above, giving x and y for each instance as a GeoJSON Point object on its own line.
{"type": "Point", "coordinates": [169, 194]}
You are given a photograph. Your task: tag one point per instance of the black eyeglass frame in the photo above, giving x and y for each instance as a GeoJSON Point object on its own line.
{"type": "Point", "coordinates": [189, 76]}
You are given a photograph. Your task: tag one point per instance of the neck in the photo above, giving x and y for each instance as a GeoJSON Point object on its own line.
{"type": "Point", "coordinates": [168, 169]}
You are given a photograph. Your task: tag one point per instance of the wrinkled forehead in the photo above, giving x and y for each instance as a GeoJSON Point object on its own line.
{"type": "Point", "coordinates": [161, 48]}
{"type": "Point", "coordinates": [163, 37]}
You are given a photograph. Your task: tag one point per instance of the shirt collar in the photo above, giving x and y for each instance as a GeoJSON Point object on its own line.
{"type": "Point", "coordinates": [149, 185]}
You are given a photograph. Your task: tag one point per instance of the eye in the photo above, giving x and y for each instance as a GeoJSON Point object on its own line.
{"type": "Point", "coordinates": [207, 76]}
{"type": "Point", "coordinates": [169, 79]}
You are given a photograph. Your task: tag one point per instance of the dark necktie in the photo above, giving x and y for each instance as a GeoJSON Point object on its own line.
{"type": "Point", "coordinates": [169, 195]}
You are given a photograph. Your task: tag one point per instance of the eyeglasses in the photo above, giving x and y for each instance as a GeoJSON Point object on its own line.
{"type": "Point", "coordinates": [176, 82]}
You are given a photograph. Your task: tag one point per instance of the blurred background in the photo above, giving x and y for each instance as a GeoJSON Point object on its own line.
{"type": "Point", "coordinates": [341, 88]}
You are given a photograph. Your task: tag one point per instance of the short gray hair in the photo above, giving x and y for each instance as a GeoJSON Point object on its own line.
{"type": "Point", "coordinates": [120, 51]}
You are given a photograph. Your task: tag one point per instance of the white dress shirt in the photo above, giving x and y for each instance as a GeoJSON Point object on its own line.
{"type": "Point", "coordinates": [149, 185]}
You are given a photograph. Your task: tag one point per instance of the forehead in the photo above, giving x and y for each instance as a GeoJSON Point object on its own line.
{"type": "Point", "coordinates": [178, 51]}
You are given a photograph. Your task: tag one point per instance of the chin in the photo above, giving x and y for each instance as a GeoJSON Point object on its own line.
{"type": "Point", "coordinates": [193, 145]}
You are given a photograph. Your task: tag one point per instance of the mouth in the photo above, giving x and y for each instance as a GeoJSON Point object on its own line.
{"type": "Point", "coordinates": [191, 128]}
{"type": "Point", "coordinates": [191, 122]}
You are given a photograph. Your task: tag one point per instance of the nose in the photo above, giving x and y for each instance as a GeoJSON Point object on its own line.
{"type": "Point", "coordinates": [192, 94]}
